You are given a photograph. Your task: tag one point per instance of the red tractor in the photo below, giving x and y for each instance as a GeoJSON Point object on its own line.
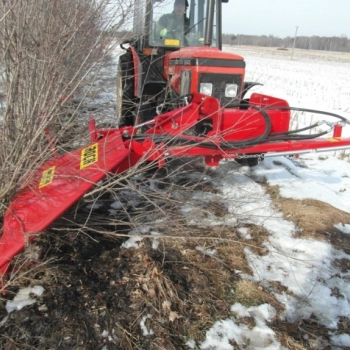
{"type": "Point", "coordinates": [178, 95]}
{"type": "Point", "coordinates": [173, 55]}
{"type": "Point", "coordinates": [163, 64]}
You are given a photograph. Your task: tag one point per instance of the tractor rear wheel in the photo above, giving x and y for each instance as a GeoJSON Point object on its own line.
{"type": "Point", "coordinates": [126, 101]}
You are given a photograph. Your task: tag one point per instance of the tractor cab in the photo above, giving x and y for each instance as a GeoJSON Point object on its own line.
{"type": "Point", "coordinates": [172, 24]}
{"type": "Point", "coordinates": [176, 50]}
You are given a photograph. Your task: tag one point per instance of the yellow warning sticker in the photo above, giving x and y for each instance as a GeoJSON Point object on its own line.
{"type": "Point", "coordinates": [47, 177]}
{"type": "Point", "coordinates": [89, 156]}
{"type": "Point", "coordinates": [172, 42]}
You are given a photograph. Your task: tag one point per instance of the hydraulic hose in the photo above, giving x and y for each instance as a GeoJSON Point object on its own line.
{"type": "Point", "coordinates": [294, 131]}
{"type": "Point", "coordinates": [284, 108]}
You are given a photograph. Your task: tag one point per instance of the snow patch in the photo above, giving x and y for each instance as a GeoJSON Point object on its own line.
{"type": "Point", "coordinates": [259, 337]}
{"type": "Point", "coordinates": [345, 228]}
{"type": "Point", "coordinates": [145, 330]}
{"type": "Point", "coordinates": [24, 297]}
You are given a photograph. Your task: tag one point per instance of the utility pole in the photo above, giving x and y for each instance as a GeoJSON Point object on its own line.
{"type": "Point", "coordinates": [295, 38]}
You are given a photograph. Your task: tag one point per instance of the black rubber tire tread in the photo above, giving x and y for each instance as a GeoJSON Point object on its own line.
{"type": "Point", "coordinates": [128, 104]}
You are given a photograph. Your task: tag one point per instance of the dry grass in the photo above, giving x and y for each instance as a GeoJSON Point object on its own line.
{"type": "Point", "coordinates": [249, 293]}
{"type": "Point", "coordinates": [187, 290]}
{"type": "Point", "coordinates": [316, 219]}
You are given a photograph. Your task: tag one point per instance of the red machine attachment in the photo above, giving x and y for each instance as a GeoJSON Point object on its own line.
{"type": "Point", "coordinates": [200, 127]}
{"type": "Point", "coordinates": [56, 186]}
{"type": "Point", "coordinates": [203, 128]}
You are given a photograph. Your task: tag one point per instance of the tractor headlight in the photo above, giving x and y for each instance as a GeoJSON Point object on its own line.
{"type": "Point", "coordinates": [206, 88]}
{"type": "Point", "coordinates": [231, 90]}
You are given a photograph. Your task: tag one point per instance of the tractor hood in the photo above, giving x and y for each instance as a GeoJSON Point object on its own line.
{"type": "Point", "coordinates": [201, 68]}
{"type": "Point", "coordinates": [207, 56]}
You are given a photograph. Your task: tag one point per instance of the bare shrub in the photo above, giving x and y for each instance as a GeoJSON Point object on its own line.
{"type": "Point", "coordinates": [48, 50]}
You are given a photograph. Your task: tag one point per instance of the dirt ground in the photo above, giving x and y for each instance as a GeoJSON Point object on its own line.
{"type": "Point", "coordinates": [99, 296]}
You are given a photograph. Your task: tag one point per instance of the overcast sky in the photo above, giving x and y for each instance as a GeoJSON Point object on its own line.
{"type": "Point", "coordinates": [281, 17]}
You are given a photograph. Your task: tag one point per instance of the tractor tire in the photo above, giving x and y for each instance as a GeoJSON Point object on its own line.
{"type": "Point", "coordinates": [126, 101]}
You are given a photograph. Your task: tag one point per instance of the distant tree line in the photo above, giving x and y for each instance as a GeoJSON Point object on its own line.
{"type": "Point", "coordinates": [341, 44]}
{"type": "Point", "coordinates": [334, 43]}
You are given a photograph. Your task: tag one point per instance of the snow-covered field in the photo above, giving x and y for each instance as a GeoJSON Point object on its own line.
{"type": "Point", "coordinates": [315, 80]}
{"type": "Point", "coordinates": [305, 267]}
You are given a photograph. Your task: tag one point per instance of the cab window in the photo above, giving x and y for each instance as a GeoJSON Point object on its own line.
{"type": "Point", "coordinates": [178, 23]}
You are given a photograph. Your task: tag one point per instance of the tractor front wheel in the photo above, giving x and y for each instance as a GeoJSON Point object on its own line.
{"type": "Point", "coordinates": [126, 101]}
